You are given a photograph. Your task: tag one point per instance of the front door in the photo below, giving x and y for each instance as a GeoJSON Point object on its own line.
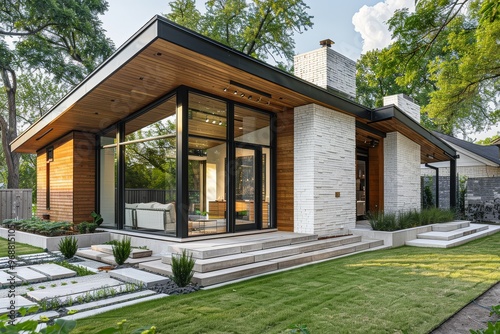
{"type": "Point", "coordinates": [248, 187]}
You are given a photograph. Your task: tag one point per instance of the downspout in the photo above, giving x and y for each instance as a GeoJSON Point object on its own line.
{"type": "Point", "coordinates": [437, 182]}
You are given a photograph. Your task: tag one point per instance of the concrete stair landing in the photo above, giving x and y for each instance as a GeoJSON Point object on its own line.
{"type": "Point", "coordinates": [452, 234]}
{"type": "Point", "coordinates": [245, 257]}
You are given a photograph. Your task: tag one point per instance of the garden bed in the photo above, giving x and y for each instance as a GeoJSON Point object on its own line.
{"type": "Point", "coordinates": [51, 243]}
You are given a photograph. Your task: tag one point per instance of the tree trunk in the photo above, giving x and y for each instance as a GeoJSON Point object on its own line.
{"type": "Point", "coordinates": [9, 130]}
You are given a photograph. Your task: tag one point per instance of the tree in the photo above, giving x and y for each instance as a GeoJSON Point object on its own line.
{"type": "Point", "coordinates": [259, 28]}
{"type": "Point", "coordinates": [447, 51]}
{"type": "Point", "coordinates": [63, 37]}
{"type": "Point", "coordinates": [489, 140]}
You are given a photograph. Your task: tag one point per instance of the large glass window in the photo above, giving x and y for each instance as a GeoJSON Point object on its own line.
{"type": "Point", "coordinates": [206, 167]}
{"type": "Point", "coordinates": [150, 170]}
{"type": "Point", "coordinates": [108, 179]}
{"type": "Point", "coordinates": [251, 126]}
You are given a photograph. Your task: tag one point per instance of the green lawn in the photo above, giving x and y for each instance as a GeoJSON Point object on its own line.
{"type": "Point", "coordinates": [400, 290]}
{"type": "Point", "coordinates": [21, 249]}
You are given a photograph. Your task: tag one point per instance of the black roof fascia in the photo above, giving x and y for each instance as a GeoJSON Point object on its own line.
{"type": "Point", "coordinates": [489, 152]}
{"type": "Point", "coordinates": [195, 42]}
{"type": "Point", "coordinates": [392, 111]}
{"type": "Point", "coordinates": [368, 128]}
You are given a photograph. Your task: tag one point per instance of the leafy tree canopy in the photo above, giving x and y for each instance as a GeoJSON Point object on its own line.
{"type": "Point", "coordinates": [446, 56]}
{"type": "Point", "coordinates": [63, 39]}
{"type": "Point", "coordinates": [259, 28]}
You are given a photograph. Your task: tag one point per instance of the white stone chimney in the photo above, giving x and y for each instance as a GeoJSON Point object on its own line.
{"type": "Point", "coordinates": [405, 103]}
{"type": "Point", "coordinates": [327, 68]}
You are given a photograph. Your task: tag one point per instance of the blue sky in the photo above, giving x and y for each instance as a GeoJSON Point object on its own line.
{"type": "Point", "coordinates": [332, 19]}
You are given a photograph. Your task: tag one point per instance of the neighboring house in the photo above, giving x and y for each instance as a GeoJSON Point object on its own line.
{"type": "Point", "coordinates": [479, 164]}
{"type": "Point", "coordinates": [178, 135]}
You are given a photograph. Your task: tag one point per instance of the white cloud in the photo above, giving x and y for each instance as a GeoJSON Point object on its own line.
{"type": "Point", "coordinates": [371, 22]}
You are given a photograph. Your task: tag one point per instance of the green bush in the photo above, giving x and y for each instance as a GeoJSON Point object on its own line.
{"type": "Point", "coordinates": [68, 246]}
{"type": "Point", "coordinates": [122, 250]}
{"type": "Point", "coordinates": [393, 222]}
{"type": "Point", "coordinates": [380, 221]}
{"type": "Point", "coordinates": [39, 226]}
{"type": "Point", "coordinates": [97, 218]}
{"type": "Point", "coordinates": [182, 268]}
{"type": "Point", "coordinates": [82, 227]}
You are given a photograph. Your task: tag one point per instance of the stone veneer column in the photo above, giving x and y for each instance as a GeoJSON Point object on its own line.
{"type": "Point", "coordinates": [324, 163]}
{"type": "Point", "coordinates": [401, 173]}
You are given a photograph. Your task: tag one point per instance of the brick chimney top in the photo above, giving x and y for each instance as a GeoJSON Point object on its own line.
{"type": "Point", "coordinates": [326, 42]}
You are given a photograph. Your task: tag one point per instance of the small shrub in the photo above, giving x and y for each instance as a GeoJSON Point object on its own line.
{"type": "Point", "coordinates": [97, 218]}
{"type": "Point", "coordinates": [68, 246]}
{"type": "Point", "coordinates": [82, 227]}
{"type": "Point", "coordinates": [381, 221]}
{"type": "Point", "coordinates": [91, 227]}
{"type": "Point", "coordinates": [182, 268]}
{"type": "Point", "coordinates": [122, 250]}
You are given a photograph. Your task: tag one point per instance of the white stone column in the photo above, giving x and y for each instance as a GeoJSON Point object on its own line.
{"type": "Point", "coordinates": [324, 163]}
{"type": "Point", "coordinates": [401, 173]}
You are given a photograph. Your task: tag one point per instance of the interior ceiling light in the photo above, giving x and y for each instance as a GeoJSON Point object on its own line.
{"type": "Point", "coordinates": [235, 92]}
{"type": "Point", "coordinates": [220, 122]}
{"type": "Point", "coordinates": [249, 97]}
{"type": "Point", "coordinates": [242, 95]}
{"type": "Point", "coordinates": [206, 120]}
{"type": "Point", "coordinates": [214, 121]}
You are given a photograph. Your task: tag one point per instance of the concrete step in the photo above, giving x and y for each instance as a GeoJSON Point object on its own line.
{"type": "Point", "coordinates": [112, 300]}
{"type": "Point", "coordinates": [138, 277]}
{"type": "Point", "coordinates": [95, 311]}
{"type": "Point", "coordinates": [241, 245]}
{"type": "Point", "coordinates": [72, 289]}
{"type": "Point", "coordinates": [453, 234]}
{"type": "Point", "coordinates": [453, 242]}
{"type": "Point", "coordinates": [265, 266]}
{"type": "Point", "coordinates": [29, 275]}
{"type": "Point", "coordinates": [19, 301]}
{"type": "Point", "coordinates": [53, 271]}
{"type": "Point", "coordinates": [135, 254]}
{"type": "Point", "coordinates": [228, 261]}
{"type": "Point", "coordinates": [8, 278]}
{"type": "Point", "coordinates": [451, 226]}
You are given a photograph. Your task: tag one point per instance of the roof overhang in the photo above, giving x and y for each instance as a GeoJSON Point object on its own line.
{"type": "Point", "coordinates": [159, 58]}
{"type": "Point", "coordinates": [432, 149]}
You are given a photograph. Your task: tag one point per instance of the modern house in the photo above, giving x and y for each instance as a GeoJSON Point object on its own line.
{"type": "Point", "coordinates": [178, 135]}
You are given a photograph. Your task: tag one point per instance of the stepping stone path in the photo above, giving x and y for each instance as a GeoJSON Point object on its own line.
{"type": "Point", "coordinates": [20, 301]}
{"type": "Point", "coordinates": [139, 277]}
{"type": "Point", "coordinates": [53, 271]}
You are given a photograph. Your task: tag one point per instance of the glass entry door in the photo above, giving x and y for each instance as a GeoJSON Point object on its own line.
{"type": "Point", "coordinates": [248, 188]}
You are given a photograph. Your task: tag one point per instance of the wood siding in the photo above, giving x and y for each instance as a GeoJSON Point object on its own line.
{"type": "Point", "coordinates": [285, 170]}
{"type": "Point", "coordinates": [72, 179]}
{"type": "Point", "coordinates": [84, 172]}
{"type": "Point", "coordinates": [376, 178]}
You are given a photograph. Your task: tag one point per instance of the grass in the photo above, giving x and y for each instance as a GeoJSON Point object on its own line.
{"type": "Point", "coordinates": [390, 291]}
{"type": "Point", "coordinates": [21, 249]}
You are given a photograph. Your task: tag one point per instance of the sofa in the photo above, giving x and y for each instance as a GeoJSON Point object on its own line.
{"type": "Point", "coordinates": [152, 216]}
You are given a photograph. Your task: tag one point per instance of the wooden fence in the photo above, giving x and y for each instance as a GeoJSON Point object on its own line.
{"type": "Point", "coordinates": [15, 203]}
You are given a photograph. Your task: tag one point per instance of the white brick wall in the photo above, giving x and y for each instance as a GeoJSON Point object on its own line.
{"type": "Point", "coordinates": [410, 108]}
{"type": "Point", "coordinates": [324, 160]}
{"type": "Point", "coordinates": [401, 173]}
{"type": "Point", "coordinates": [327, 68]}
